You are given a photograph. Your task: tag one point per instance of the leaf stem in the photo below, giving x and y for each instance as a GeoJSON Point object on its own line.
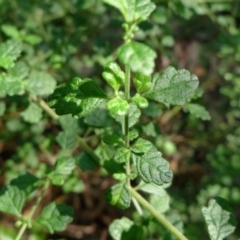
{"type": "Point", "coordinates": [29, 218]}
{"type": "Point", "coordinates": [126, 120]}
{"type": "Point", "coordinates": [161, 219]}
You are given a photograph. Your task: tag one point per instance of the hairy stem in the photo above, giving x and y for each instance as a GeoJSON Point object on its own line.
{"type": "Point", "coordinates": [39, 198]}
{"type": "Point", "coordinates": [126, 120]}
{"type": "Point", "coordinates": [161, 219]}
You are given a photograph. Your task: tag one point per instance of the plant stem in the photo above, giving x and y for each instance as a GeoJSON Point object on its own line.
{"type": "Point", "coordinates": [126, 120]}
{"type": "Point", "coordinates": [161, 219]}
{"type": "Point", "coordinates": [39, 198]}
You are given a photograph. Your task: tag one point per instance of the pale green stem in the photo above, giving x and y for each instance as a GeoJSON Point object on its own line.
{"type": "Point", "coordinates": [137, 206]}
{"type": "Point", "coordinates": [39, 198]}
{"type": "Point", "coordinates": [126, 120]}
{"type": "Point", "coordinates": [161, 219]}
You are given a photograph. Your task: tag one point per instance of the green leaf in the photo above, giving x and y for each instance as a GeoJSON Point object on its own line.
{"type": "Point", "coordinates": [160, 203]}
{"type": "Point", "coordinates": [77, 97]}
{"type": "Point", "coordinates": [138, 56]}
{"type": "Point", "coordinates": [40, 83]}
{"type": "Point", "coordinates": [141, 102]}
{"type": "Point", "coordinates": [198, 111]}
{"type": "Point", "coordinates": [9, 52]}
{"type": "Point", "coordinates": [32, 114]}
{"type": "Point", "coordinates": [172, 87]}
{"type": "Point", "coordinates": [85, 162]}
{"type": "Point", "coordinates": [2, 108]}
{"type": "Point", "coordinates": [219, 219]}
{"type": "Point", "coordinates": [134, 114]}
{"type": "Point", "coordinates": [11, 31]}
{"type": "Point", "coordinates": [153, 110]}
{"type": "Point", "coordinates": [20, 70]}
{"type": "Point", "coordinates": [141, 146]}
{"type": "Point", "coordinates": [125, 229]}
{"type": "Point", "coordinates": [98, 118]}
{"type": "Point", "coordinates": [67, 139]}
{"type": "Point", "coordinates": [151, 129]}
{"type": "Point", "coordinates": [111, 138]}
{"type": "Point", "coordinates": [118, 106]}
{"type": "Point", "coordinates": [12, 200]}
{"type": "Point", "coordinates": [122, 155]}
{"type": "Point", "coordinates": [133, 134]}
{"type": "Point", "coordinates": [142, 82]}
{"type": "Point", "coordinates": [153, 168]}
{"type": "Point", "coordinates": [26, 182]}
{"type": "Point", "coordinates": [10, 85]}
{"type": "Point", "coordinates": [62, 169]}
{"type": "Point", "coordinates": [68, 123]}
{"type": "Point", "coordinates": [133, 10]}
{"type": "Point", "coordinates": [114, 76]}
{"type": "Point", "coordinates": [119, 196]}
{"type": "Point", "coordinates": [55, 217]}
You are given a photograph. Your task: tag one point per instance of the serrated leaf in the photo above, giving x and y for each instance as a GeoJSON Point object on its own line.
{"type": "Point", "coordinates": [153, 168]}
{"type": "Point", "coordinates": [9, 52]}
{"type": "Point", "coordinates": [12, 200]}
{"type": "Point", "coordinates": [142, 82]}
{"type": "Point", "coordinates": [125, 229]}
{"type": "Point", "coordinates": [85, 162]}
{"type": "Point", "coordinates": [77, 97]}
{"type": "Point", "coordinates": [134, 114]}
{"type": "Point", "coordinates": [138, 56]}
{"type": "Point", "coordinates": [198, 111]}
{"type": "Point", "coordinates": [10, 85]}
{"type": "Point", "coordinates": [98, 118]}
{"type": "Point", "coordinates": [219, 219]}
{"type": "Point", "coordinates": [141, 146]}
{"type": "Point", "coordinates": [133, 134]}
{"type": "Point", "coordinates": [172, 87]}
{"type": "Point", "coordinates": [40, 83]}
{"type": "Point", "coordinates": [26, 182]}
{"type": "Point", "coordinates": [67, 139]}
{"type": "Point", "coordinates": [160, 203]}
{"type": "Point", "coordinates": [153, 110]}
{"type": "Point", "coordinates": [118, 195]}
{"type": "Point", "coordinates": [122, 155]}
{"type": "Point", "coordinates": [114, 76]}
{"type": "Point", "coordinates": [32, 114]}
{"type": "Point", "coordinates": [118, 106]}
{"type": "Point", "coordinates": [62, 168]}
{"type": "Point", "coordinates": [111, 138]}
{"type": "Point", "coordinates": [141, 102]}
{"type": "Point", "coordinates": [20, 70]}
{"type": "Point", "coordinates": [55, 217]}
{"type": "Point", "coordinates": [68, 123]}
{"type": "Point", "coordinates": [2, 108]}
{"type": "Point", "coordinates": [133, 10]}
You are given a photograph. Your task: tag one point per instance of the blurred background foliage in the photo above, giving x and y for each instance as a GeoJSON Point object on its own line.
{"type": "Point", "coordinates": [67, 38]}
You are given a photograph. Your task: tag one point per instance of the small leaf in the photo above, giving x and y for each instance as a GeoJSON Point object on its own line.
{"type": "Point", "coordinates": [118, 106]}
{"type": "Point", "coordinates": [153, 110]}
{"type": "Point", "coordinates": [125, 229]}
{"type": "Point", "coordinates": [111, 138]}
{"type": "Point", "coordinates": [160, 203]}
{"type": "Point", "coordinates": [67, 139]}
{"type": "Point", "coordinates": [141, 146]}
{"type": "Point", "coordinates": [20, 70]}
{"type": "Point", "coordinates": [141, 102]}
{"type": "Point", "coordinates": [62, 169]}
{"type": "Point", "coordinates": [133, 134]}
{"type": "Point", "coordinates": [153, 168]}
{"type": "Point", "coordinates": [26, 183]}
{"type": "Point", "coordinates": [198, 111]}
{"type": "Point", "coordinates": [142, 82]}
{"type": "Point", "coordinates": [32, 114]}
{"type": "Point", "coordinates": [114, 76]}
{"type": "Point", "coordinates": [77, 97]}
{"type": "Point", "coordinates": [119, 196]}
{"type": "Point", "coordinates": [10, 85]}
{"type": "Point", "coordinates": [68, 123]}
{"type": "Point", "coordinates": [133, 10]}
{"type": "Point", "coordinates": [138, 56]}
{"type": "Point", "coordinates": [172, 87]}
{"type": "Point", "coordinates": [85, 162]}
{"type": "Point", "coordinates": [9, 52]}
{"type": "Point", "coordinates": [134, 114]}
{"type": "Point", "coordinates": [219, 219]}
{"type": "Point", "coordinates": [122, 155]}
{"type": "Point", "coordinates": [12, 200]}
{"type": "Point", "coordinates": [55, 217]}
{"type": "Point", "coordinates": [40, 83]}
